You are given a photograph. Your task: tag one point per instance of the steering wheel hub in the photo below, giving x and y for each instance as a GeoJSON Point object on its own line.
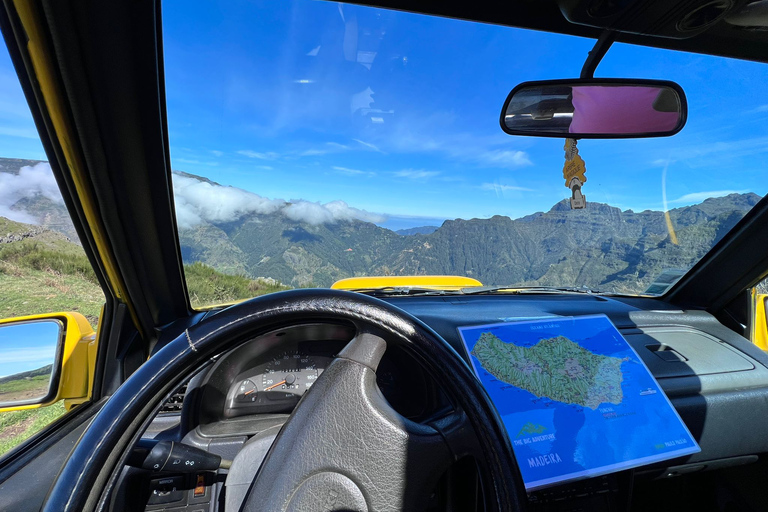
{"type": "Point", "coordinates": [327, 491]}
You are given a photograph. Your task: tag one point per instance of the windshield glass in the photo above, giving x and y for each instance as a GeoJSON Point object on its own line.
{"type": "Point", "coordinates": [314, 141]}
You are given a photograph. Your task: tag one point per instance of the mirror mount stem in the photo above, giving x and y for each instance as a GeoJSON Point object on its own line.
{"type": "Point", "coordinates": [597, 53]}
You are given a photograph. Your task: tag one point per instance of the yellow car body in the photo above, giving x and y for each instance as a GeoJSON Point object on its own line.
{"type": "Point", "coordinates": [78, 359]}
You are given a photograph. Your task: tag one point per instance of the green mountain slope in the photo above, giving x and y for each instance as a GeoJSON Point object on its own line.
{"type": "Point", "coordinates": [600, 247]}
{"type": "Point", "coordinates": [46, 212]}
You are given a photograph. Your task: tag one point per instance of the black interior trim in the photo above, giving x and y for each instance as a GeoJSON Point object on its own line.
{"type": "Point", "coordinates": [721, 39]}
{"type": "Point", "coordinates": [109, 60]}
{"type": "Point", "coordinates": [15, 40]}
{"type": "Point", "coordinates": [737, 262]}
{"type": "Point", "coordinates": [42, 442]}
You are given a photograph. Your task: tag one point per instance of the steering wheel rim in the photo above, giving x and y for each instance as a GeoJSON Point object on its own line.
{"type": "Point", "coordinates": [90, 472]}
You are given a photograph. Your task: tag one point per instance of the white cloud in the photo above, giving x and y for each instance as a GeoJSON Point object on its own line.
{"type": "Point", "coordinates": [343, 212]}
{"type": "Point", "coordinates": [433, 134]}
{"type": "Point", "coordinates": [498, 188]}
{"type": "Point", "coordinates": [42, 355]}
{"type": "Point", "coordinates": [328, 148]}
{"type": "Point", "coordinates": [328, 213]}
{"type": "Point", "coordinates": [217, 152]}
{"type": "Point", "coordinates": [313, 52]}
{"type": "Point", "coordinates": [30, 182]}
{"type": "Point", "coordinates": [505, 158]}
{"type": "Point", "coordinates": [269, 155]}
{"type": "Point", "coordinates": [416, 174]}
{"type": "Point", "coordinates": [758, 110]}
{"type": "Point", "coordinates": [368, 145]}
{"type": "Point", "coordinates": [698, 197]}
{"type": "Point", "coordinates": [352, 172]}
{"type": "Point", "coordinates": [196, 201]}
{"type": "Point", "coordinates": [199, 201]}
{"type": "Point", "coordinates": [195, 162]}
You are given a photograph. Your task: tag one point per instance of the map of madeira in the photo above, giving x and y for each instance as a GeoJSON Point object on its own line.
{"type": "Point", "coordinates": [576, 399]}
{"type": "Point", "coordinates": [554, 368]}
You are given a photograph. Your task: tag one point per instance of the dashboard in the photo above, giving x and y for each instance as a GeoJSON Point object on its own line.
{"type": "Point", "coordinates": [715, 379]}
{"type": "Point", "coordinates": [277, 384]}
{"type": "Point", "coordinates": [276, 381]}
{"type": "Point", "coordinates": [268, 376]}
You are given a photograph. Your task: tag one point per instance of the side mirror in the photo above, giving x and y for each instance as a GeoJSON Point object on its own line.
{"type": "Point", "coordinates": [593, 108]}
{"type": "Point", "coordinates": [44, 359]}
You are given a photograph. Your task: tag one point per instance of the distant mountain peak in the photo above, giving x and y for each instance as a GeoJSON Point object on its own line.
{"type": "Point", "coordinates": [196, 177]}
{"type": "Point", "coordinates": [565, 206]}
{"type": "Point", "coordinates": [420, 230]}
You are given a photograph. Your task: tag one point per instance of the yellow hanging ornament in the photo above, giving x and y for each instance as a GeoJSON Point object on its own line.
{"type": "Point", "coordinates": [574, 173]}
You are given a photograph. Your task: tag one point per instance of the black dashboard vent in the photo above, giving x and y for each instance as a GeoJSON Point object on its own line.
{"type": "Point", "coordinates": [173, 404]}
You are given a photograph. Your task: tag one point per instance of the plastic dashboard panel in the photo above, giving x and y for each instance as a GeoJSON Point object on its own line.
{"type": "Point", "coordinates": [717, 380]}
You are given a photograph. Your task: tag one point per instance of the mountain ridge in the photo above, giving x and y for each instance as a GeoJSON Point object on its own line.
{"type": "Point", "coordinates": [601, 247]}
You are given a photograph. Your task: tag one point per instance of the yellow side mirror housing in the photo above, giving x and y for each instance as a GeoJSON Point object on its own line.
{"type": "Point", "coordinates": [28, 343]}
{"type": "Point", "coordinates": [759, 328]}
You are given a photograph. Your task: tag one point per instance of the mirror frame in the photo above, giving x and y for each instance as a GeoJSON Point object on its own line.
{"type": "Point", "coordinates": [598, 81]}
{"type": "Point", "coordinates": [75, 361]}
{"type": "Point", "coordinates": [54, 381]}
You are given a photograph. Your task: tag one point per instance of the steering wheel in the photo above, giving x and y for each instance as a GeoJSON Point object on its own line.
{"type": "Point", "coordinates": [343, 448]}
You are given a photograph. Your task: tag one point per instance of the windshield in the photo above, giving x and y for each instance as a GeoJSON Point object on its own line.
{"type": "Point", "coordinates": [315, 141]}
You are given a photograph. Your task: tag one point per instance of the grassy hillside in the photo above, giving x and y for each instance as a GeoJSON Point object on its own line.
{"type": "Point", "coordinates": [208, 286]}
{"type": "Point", "coordinates": [18, 426]}
{"type": "Point", "coordinates": [24, 388]}
{"type": "Point", "coordinates": [42, 271]}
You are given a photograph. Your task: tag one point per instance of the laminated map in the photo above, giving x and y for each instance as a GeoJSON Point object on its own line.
{"type": "Point", "coordinates": [575, 398]}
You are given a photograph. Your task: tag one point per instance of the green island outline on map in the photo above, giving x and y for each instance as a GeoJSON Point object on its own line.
{"type": "Point", "coordinates": [555, 368]}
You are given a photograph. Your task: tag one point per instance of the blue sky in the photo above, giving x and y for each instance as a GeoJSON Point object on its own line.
{"type": "Point", "coordinates": [27, 346]}
{"type": "Point", "coordinates": [18, 135]}
{"type": "Point", "coordinates": [397, 113]}
{"type": "Point", "coordinates": [261, 96]}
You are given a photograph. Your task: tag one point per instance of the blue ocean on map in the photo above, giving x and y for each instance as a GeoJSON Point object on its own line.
{"type": "Point", "coordinates": [556, 440]}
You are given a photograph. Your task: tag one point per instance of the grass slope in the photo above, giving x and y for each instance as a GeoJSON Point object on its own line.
{"type": "Point", "coordinates": [24, 388]}
{"type": "Point", "coordinates": [41, 271]}
{"type": "Point", "coordinates": [208, 286]}
{"type": "Point", "coordinates": [18, 426]}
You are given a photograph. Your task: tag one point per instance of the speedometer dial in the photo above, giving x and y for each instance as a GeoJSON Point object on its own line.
{"type": "Point", "coordinates": [289, 375]}
{"type": "Point", "coordinates": [275, 385]}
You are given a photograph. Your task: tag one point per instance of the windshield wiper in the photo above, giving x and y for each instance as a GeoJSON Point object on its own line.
{"type": "Point", "coordinates": [389, 291]}
{"type": "Point", "coordinates": [490, 290]}
{"type": "Point", "coordinates": [414, 291]}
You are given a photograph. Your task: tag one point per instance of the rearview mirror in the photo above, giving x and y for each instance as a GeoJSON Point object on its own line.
{"type": "Point", "coordinates": [595, 109]}
{"type": "Point", "coordinates": [28, 361]}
